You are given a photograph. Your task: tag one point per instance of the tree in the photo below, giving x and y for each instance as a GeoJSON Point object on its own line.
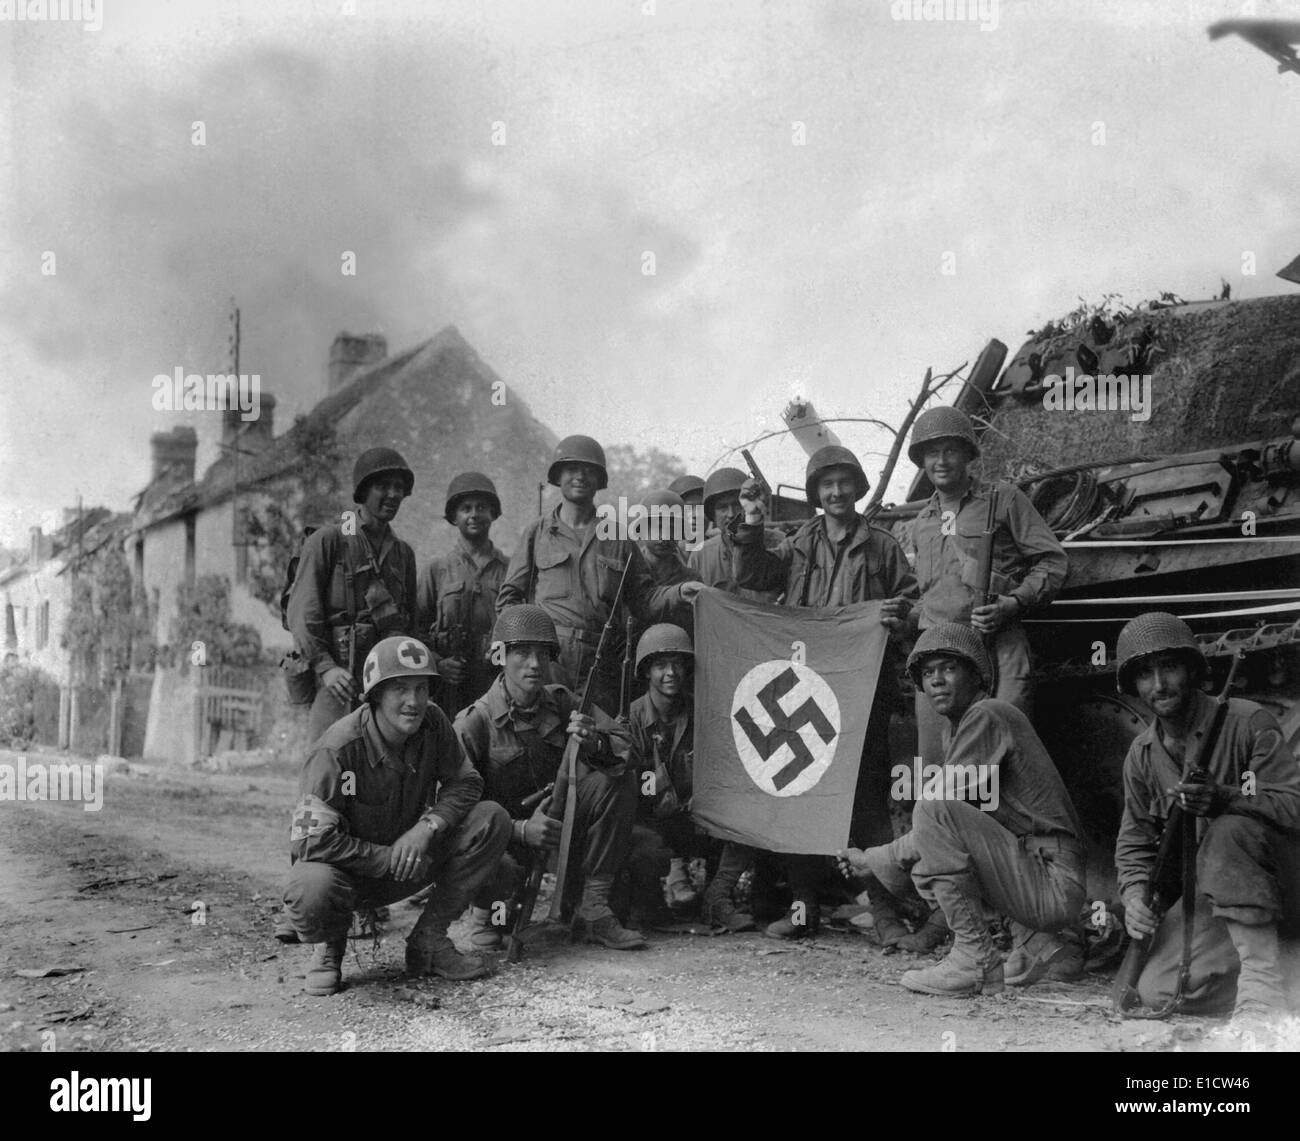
{"type": "Point", "coordinates": [109, 628]}
{"type": "Point", "coordinates": [202, 631]}
{"type": "Point", "coordinates": [632, 472]}
{"type": "Point", "coordinates": [273, 527]}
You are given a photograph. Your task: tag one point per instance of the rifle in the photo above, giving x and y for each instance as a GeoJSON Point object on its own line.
{"type": "Point", "coordinates": [984, 564]}
{"type": "Point", "coordinates": [566, 781]}
{"type": "Point", "coordinates": [1173, 876]}
{"type": "Point", "coordinates": [457, 640]}
{"type": "Point", "coordinates": [625, 677]}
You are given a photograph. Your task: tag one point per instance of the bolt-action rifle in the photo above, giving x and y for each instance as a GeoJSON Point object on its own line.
{"type": "Point", "coordinates": [565, 794]}
{"type": "Point", "coordinates": [626, 677]}
{"type": "Point", "coordinates": [1173, 876]}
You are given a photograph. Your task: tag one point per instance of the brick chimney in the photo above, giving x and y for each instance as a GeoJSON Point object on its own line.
{"type": "Point", "coordinates": [174, 450]}
{"type": "Point", "coordinates": [350, 354]}
{"type": "Point", "coordinates": [253, 435]}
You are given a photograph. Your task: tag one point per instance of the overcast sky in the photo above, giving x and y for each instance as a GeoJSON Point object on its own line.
{"type": "Point", "coordinates": [1072, 150]}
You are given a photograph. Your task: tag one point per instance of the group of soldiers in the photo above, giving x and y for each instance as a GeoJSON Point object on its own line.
{"type": "Point", "coordinates": [440, 780]}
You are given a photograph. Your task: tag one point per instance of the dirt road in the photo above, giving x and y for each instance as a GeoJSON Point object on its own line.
{"type": "Point", "coordinates": [164, 899]}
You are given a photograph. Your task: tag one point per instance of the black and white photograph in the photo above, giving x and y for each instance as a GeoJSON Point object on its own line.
{"type": "Point", "coordinates": [650, 526]}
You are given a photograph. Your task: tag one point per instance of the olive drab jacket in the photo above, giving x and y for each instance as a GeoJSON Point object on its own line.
{"type": "Point", "coordinates": [814, 571]}
{"type": "Point", "coordinates": [318, 602]}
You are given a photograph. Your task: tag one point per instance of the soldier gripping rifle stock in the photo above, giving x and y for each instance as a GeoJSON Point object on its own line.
{"type": "Point", "coordinates": [1173, 876]}
{"type": "Point", "coordinates": [566, 792]}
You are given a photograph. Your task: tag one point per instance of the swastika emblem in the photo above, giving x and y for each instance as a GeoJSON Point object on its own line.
{"type": "Point", "coordinates": [786, 723]}
{"type": "Point", "coordinates": [412, 655]}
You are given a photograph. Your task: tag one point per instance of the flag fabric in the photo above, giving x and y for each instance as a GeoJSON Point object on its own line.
{"type": "Point", "coordinates": [782, 699]}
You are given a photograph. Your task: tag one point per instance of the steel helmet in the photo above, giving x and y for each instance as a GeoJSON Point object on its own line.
{"type": "Point", "coordinates": [1154, 633]}
{"type": "Point", "coordinates": [664, 638]}
{"type": "Point", "coordinates": [525, 623]}
{"type": "Point", "coordinates": [470, 483]}
{"type": "Point", "coordinates": [825, 458]}
{"type": "Point", "coordinates": [396, 657]}
{"type": "Point", "coordinates": [687, 486]}
{"type": "Point", "coordinates": [722, 482]}
{"type": "Point", "coordinates": [665, 507]}
{"type": "Point", "coordinates": [580, 450]}
{"type": "Point", "coordinates": [377, 461]}
{"type": "Point", "coordinates": [956, 640]}
{"type": "Point", "coordinates": [942, 423]}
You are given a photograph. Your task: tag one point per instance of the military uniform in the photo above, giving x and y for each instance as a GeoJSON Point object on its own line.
{"type": "Point", "coordinates": [357, 797]}
{"type": "Point", "coordinates": [573, 576]}
{"type": "Point", "coordinates": [384, 595]}
{"type": "Point", "coordinates": [455, 608]}
{"type": "Point", "coordinates": [518, 752]}
{"type": "Point", "coordinates": [1023, 857]}
{"type": "Point", "coordinates": [1248, 859]}
{"type": "Point", "coordinates": [1029, 564]}
{"type": "Point", "coordinates": [713, 562]}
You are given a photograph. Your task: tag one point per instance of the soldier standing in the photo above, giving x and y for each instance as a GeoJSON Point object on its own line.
{"type": "Point", "coordinates": [456, 594]}
{"type": "Point", "coordinates": [835, 559]}
{"type": "Point", "coordinates": [355, 585]}
{"type": "Point", "coordinates": [713, 562]}
{"type": "Point", "coordinates": [515, 735]}
{"type": "Point", "coordinates": [565, 567]}
{"type": "Point", "coordinates": [665, 515]}
{"type": "Point", "coordinates": [389, 806]}
{"type": "Point", "coordinates": [1029, 565]}
{"type": "Point", "coordinates": [1248, 818]}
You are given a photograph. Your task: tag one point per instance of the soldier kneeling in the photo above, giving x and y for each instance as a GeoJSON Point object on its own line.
{"type": "Point", "coordinates": [515, 736]}
{"type": "Point", "coordinates": [663, 727]}
{"type": "Point", "coordinates": [390, 805]}
{"type": "Point", "coordinates": [1248, 820]}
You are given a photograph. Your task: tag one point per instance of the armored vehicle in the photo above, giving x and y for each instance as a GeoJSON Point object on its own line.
{"type": "Point", "coordinates": [1163, 447]}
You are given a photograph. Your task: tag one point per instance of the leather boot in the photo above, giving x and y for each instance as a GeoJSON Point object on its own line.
{"type": "Point", "coordinates": [972, 966]}
{"type": "Point", "coordinates": [928, 936]}
{"type": "Point", "coordinates": [890, 928]}
{"type": "Point", "coordinates": [803, 919]}
{"type": "Point", "coordinates": [681, 892]}
{"type": "Point", "coordinates": [483, 934]}
{"type": "Point", "coordinates": [608, 932]}
{"type": "Point", "coordinates": [432, 954]}
{"type": "Point", "coordinates": [325, 975]}
{"type": "Point", "coordinates": [1057, 958]}
{"type": "Point", "coordinates": [721, 912]}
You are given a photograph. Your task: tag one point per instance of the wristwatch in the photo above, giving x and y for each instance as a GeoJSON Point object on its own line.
{"type": "Point", "coordinates": [434, 822]}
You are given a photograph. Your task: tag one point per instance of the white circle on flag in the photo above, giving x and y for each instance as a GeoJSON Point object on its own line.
{"type": "Point", "coordinates": [786, 724]}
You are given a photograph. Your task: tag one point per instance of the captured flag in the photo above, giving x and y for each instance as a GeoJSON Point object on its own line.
{"type": "Point", "coordinates": [782, 699]}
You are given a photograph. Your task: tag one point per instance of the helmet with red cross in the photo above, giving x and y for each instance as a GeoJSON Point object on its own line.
{"type": "Point", "coordinates": [396, 657]}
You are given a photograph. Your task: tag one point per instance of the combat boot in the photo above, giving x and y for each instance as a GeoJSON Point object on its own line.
{"type": "Point", "coordinates": [928, 936]}
{"type": "Point", "coordinates": [437, 955]}
{"type": "Point", "coordinates": [884, 912]}
{"type": "Point", "coordinates": [972, 966]}
{"type": "Point", "coordinates": [1043, 956]}
{"type": "Point", "coordinates": [961, 973]}
{"type": "Point", "coordinates": [681, 892]}
{"type": "Point", "coordinates": [722, 912]}
{"type": "Point", "coordinates": [608, 932]}
{"type": "Point", "coordinates": [325, 975]}
{"type": "Point", "coordinates": [483, 934]}
{"type": "Point", "coordinates": [802, 920]}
